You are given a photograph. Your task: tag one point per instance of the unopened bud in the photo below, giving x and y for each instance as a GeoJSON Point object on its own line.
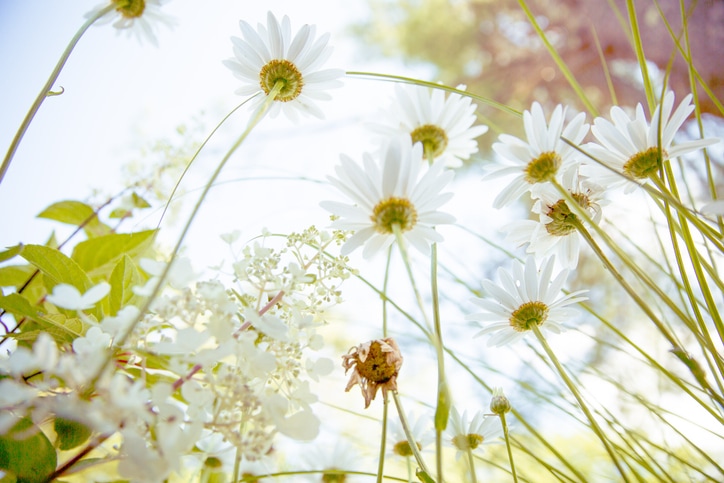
{"type": "Point", "coordinates": [499, 404]}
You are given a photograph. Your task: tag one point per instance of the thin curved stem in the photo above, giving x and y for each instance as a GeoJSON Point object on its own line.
{"type": "Point", "coordinates": [258, 116]}
{"type": "Point", "coordinates": [408, 434]}
{"type": "Point", "coordinates": [581, 403]}
{"type": "Point", "coordinates": [45, 90]}
{"type": "Point", "coordinates": [504, 423]}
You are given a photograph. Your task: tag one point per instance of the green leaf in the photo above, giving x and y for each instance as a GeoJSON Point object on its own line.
{"type": "Point", "coordinates": [76, 213]}
{"type": "Point", "coordinates": [139, 202]}
{"type": "Point", "coordinates": [71, 434]}
{"type": "Point", "coordinates": [10, 252]}
{"type": "Point", "coordinates": [20, 307]}
{"type": "Point", "coordinates": [56, 267]}
{"type": "Point", "coordinates": [27, 453]}
{"type": "Point", "coordinates": [124, 277]}
{"type": "Point", "coordinates": [15, 275]}
{"type": "Point", "coordinates": [98, 256]}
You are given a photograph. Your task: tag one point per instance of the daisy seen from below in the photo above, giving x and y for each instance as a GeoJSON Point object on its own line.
{"type": "Point", "coordinates": [466, 435]}
{"type": "Point", "coordinates": [556, 232]}
{"type": "Point", "coordinates": [540, 158]}
{"type": "Point", "coordinates": [638, 148]}
{"type": "Point", "coordinates": [443, 125]}
{"type": "Point", "coordinates": [396, 192]}
{"type": "Point", "coordinates": [270, 57]}
{"type": "Point", "coordinates": [397, 440]}
{"type": "Point", "coordinates": [135, 17]}
{"type": "Point", "coordinates": [524, 299]}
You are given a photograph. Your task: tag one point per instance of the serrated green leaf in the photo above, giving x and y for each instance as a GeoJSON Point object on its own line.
{"type": "Point", "coordinates": [75, 213]}
{"type": "Point", "coordinates": [15, 275]}
{"type": "Point", "coordinates": [124, 277]}
{"type": "Point", "coordinates": [98, 256]}
{"type": "Point", "coordinates": [71, 434]}
{"type": "Point", "coordinates": [10, 252]}
{"type": "Point", "coordinates": [56, 267]}
{"type": "Point", "coordinates": [19, 306]}
{"type": "Point", "coordinates": [27, 453]}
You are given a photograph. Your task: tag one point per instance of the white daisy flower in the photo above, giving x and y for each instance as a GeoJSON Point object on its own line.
{"type": "Point", "coordinates": [524, 297]}
{"type": "Point", "coordinates": [397, 190]}
{"type": "Point", "coordinates": [270, 55]}
{"type": "Point", "coordinates": [397, 440]}
{"type": "Point", "coordinates": [638, 148]}
{"type": "Point", "coordinates": [444, 126]}
{"type": "Point", "coordinates": [466, 435]}
{"type": "Point", "coordinates": [135, 17]}
{"type": "Point", "coordinates": [556, 232]}
{"type": "Point", "coordinates": [538, 159]}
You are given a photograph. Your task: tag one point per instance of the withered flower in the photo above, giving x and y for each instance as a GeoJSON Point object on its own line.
{"type": "Point", "coordinates": [376, 364]}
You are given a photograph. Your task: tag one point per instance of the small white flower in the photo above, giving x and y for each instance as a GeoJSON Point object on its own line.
{"type": "Point", "coordinates": [466, 436]}
{"type": "Point", "coordinates": [94, 341]}
{"type": "Point", "coordinates": [270, 55]}
{"type": "Point", "coordinates": [523, 298]}
{"type": "Point", "coordinates": [444, 126]}
{"type": "Point", "coordinates": [135, 17]}
{"type": "Point", "coordinates": [556, 232]}
{"type": "Point", "coordinates": [421, 434]}
{"type": "Point", "coordinates": [394, 191]}
{"type": "Point", "coordinates": [538, 159]}
{"type": "Point", "coordinates": [638, 148]}
{"type": "Point", "coordinates": [68, 297]}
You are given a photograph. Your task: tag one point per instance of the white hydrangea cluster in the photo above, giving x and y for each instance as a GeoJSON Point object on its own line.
{"type": "Point", "coordinates": [206, 359]}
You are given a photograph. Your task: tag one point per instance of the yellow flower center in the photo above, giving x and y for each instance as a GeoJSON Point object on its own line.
{"type": "Point", "coordinates": [394, 211]}
{"type": "Point", "coordinates": [463, 442]}
{"type": "Point", "coordinates": [644, 164]}
{"type": "Point", "coordinates": [527, 315]}
{"type": "Point", "coordinates": [334, 478]}
{"type": "Point", "coordinates": [543, 168]}
{"type": "Point", "coordinates": [404, 449]}
{"type": "Point", "coordinates": [433, 139]}
{"type": "Point", "coordinates": [130, 8]}
{"type": "Point", "coordinates": [281, 70]}
{"type": "Point", "coordinates": [564, 221]}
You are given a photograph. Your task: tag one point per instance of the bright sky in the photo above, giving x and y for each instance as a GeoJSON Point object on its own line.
{"type": "Point", "coordinates": [121, 96]}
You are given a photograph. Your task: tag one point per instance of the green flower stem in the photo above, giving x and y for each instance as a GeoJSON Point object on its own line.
{"type": "Point", "coordinates": [694, 257]}
{"type": "Point", "coordinates": [408, 434]}
{"type": "Point", "coordinates": [383, 439]}
{"type": "Point", "coordinates": [258, 116]}
{"type": "Point", "coordinates": [558, 60]}
{"type": "Point", "coordinates": [581, 403]}
{"type": "Point", "coordinates": [504, 423]}
{"type": "Point", "coordinates": [434, 85]}
{"type": "Point", "coordinates": [442, 410]}
{"type": "Point", "coordinates": [471, 463]}
{"type": "Point", "coordinates": [45, 90]}
{"type": "Point", "coordinates": [408, 267]}
{"type": "Point", "coordinates": [640, 274]}
{"type": "Point", "coordinates": [633, 22]}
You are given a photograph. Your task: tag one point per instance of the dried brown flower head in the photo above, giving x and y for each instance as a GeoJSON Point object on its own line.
{"type": "Point", "coordinates": [376, 364]}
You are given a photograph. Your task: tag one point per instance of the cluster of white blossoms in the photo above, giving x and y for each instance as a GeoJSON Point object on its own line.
{"type": "Point", "coordinates": [234, 361]}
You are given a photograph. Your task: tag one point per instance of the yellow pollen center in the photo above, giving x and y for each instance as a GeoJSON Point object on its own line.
{"type": "Point", "coordinates": [433, 139]}
{"type": "Point", "coordinates": [334, 477]}
{"type": "Point", "coordinates": [281, 70]}
{"type": "Point", "coordinates": [645, 163]}
{"type": "Point", "coordinates": [394, 211]}
{"type": "Point", "coordinates": [130, 8]}
{"type": "Point", "coordinates": [543, 168]}
{"type": "Point", "coordinates": [403, 448]}
{"type": "Point", "coordinates": [563, 220]}
{"type": "Point", "coordinates": [527, 315]}
{"type": "Point", "coordinates": [375, 367]}
{"type": "Point", "coordinates": [463, 442]}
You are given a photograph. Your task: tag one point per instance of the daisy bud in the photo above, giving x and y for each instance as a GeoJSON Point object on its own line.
{"type": "Point", "coordinates": [499, 404]}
